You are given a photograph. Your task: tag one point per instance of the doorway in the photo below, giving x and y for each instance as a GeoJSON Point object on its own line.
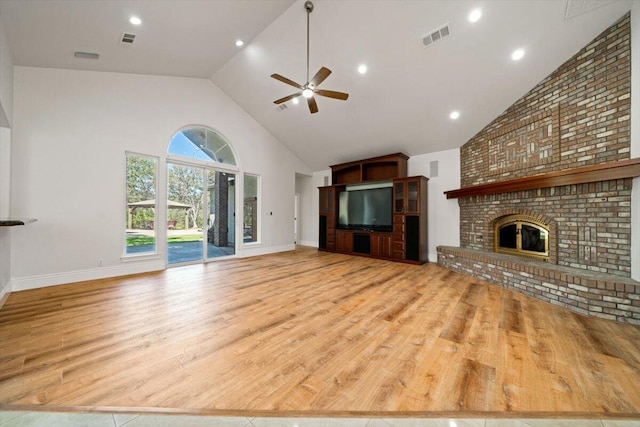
{"type": "Point", "coordinates": [205, 229]}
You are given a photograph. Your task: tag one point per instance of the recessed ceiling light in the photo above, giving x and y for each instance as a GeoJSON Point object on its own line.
{"type": "Point", "coordinates": [517, 54]}
{"type": "Point", "coordinates": [454, 115]}
{"type": "Point", "coordinates": [295, 101]}
{"type": "Point", "coordinates": [362, 68]}
{"type": "Point", "coordinates": [239, 43]}
{"type": "Point", "coordinates": [135, 20]}
{"type": "Point", "coordinates": [475, 15]}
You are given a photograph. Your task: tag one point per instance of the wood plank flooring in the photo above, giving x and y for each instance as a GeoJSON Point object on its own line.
{"type": "Point", "coordinates": [313, 333]}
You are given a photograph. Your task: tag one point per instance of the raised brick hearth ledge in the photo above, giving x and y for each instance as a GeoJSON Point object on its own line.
{"type": "Point", "coordinates": [583, 291]}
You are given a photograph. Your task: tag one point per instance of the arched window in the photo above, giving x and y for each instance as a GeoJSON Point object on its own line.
{"type": "Point", "coordinates": [202, 144]}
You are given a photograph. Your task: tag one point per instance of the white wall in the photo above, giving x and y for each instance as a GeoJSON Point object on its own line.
{"type": "Point", "coordinates": [307, 216]}
{"type": "Point", "coordinates": [635, 138]}
{"type": "Point", "coordinates": [443, 214]}
{"type": "Point", "coordinates": [6, 79]}
{"type": "Point", "coordinates": [70, 133]}
{"type": "Point", "coordinates": [6, 117]}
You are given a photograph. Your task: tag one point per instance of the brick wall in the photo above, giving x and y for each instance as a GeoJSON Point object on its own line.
{"type": "Point", "coordinates": [578, 116]}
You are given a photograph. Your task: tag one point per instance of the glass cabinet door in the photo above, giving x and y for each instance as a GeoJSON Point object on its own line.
{"type": "Point", "coordinates": [398, 190]}
{"type": "Point", "coordinates": [412, 196]}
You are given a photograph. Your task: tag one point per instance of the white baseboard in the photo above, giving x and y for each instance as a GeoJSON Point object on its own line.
{"type": "Point", "coordinates": [44, 280]}
{"type": "Point", "coordinates": [264, 250]}
{"type": "Point", "coordinates": [310, 243]}
{"type": "Point", "coordinates": [4, 294]}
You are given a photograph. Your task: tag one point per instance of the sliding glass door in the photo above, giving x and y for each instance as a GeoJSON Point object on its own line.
{"type": "Point", "coordinates": [200, 213]}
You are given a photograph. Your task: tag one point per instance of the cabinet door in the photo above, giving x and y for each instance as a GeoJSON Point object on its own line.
{"type": "Point", "coordinates": [327, 200]}
{"type": "Point", "coordinates": [381, 245]}
{"type": "Point", "coordinates": [412, 200]}
{"type": "Point", "coordinates": [385, 245]}
{"type": "Point", "coordinates": [344, 241]}
{"type": "Point", "coordinates": [331, 232]}
{"type": "Point", "coordinates": [376, 241]}
{"type": "Point", "coordinates": [398, 196]}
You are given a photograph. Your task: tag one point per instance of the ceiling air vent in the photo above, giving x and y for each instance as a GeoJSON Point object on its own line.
{"type": "Point", "coordinates": [436, 35]}
{"type": "Point", "coordinates": [127, 39]}
{"type": "Point", "coordinates": [86, 55]}
{"type": "Point", "coordinates": [281, 107]}
{"type": "Point", "coordinates": [578, 7]}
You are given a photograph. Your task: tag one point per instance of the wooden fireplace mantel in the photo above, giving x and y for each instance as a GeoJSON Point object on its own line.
{"type": "Point", "coordinates": [603, 172]}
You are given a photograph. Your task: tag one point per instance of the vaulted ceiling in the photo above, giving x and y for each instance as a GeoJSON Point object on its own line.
{"type": "Point", "coordinates": [403, 101]}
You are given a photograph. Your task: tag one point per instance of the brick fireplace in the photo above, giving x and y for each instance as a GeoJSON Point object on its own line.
{"type": "Point", "coordinates": [576, 118]}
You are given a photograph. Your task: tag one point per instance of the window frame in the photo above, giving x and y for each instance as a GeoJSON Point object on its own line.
{"type": "Point", "coordinates": [258, 215]}
{"type": "Point", "coordinates": [149, 254]}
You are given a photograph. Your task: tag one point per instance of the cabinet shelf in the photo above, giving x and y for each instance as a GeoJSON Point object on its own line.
{"type": "Point", "coordinates": [374, 169]}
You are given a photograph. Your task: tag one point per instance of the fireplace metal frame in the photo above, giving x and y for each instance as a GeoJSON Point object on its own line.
{"type": "Point", "coordinates": [519, 220]}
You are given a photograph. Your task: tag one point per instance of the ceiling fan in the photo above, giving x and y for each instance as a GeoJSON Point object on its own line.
{"type": "Point", "coordinates": [310, 88]}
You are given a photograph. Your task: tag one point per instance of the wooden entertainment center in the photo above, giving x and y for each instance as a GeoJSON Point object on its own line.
{"type": "Point", "coordinates": [404, 238]}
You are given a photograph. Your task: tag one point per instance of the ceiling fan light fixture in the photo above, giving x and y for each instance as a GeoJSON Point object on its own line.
{"type": "Point", "coordinates": [307, 93]}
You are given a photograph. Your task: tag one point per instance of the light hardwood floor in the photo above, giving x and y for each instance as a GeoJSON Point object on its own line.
{"type": "Point", "coordinates": [312, 333]}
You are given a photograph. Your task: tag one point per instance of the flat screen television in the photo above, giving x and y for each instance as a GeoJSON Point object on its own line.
{"type": "Point", "coordinates": [369, 209]}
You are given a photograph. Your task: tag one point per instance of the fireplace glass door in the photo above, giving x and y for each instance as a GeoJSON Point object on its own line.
{"type": "Point", "coordinates": [520, 236]}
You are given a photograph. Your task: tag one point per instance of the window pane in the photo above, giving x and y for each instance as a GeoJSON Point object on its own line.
{"type": "Point", "coordinates": [141, 202]}
{"type": "Point", "coordinates": [201, 144]}
{"type": "Point", "coordinates": [251, 193]}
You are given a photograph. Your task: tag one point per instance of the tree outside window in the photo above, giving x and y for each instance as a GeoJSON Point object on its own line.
{"type": "Point", "coordinates": [140, 233]}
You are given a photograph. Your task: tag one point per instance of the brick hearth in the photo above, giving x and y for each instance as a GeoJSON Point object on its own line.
{"type": "Point", "coordinates": [595, 294]}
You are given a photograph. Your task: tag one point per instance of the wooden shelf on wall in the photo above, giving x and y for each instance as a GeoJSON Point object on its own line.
{"type": "Point", "coordinates": [603, 172]}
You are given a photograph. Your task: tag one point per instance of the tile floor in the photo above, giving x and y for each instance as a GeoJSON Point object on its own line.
{"type": "Point", "coordinates": [63, 419]}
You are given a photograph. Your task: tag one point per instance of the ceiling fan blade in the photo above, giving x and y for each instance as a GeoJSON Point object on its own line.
{"type": "Point", "coordinates": [332, 94]}
{"type": "Point", "coordinates": [320, 76]}
{"type": "Point", "coordinates": [313, 107]}
{"type": "Point", "coordinates": [287, 81]}
{"type": "Point", "coordinates": [286, 98]}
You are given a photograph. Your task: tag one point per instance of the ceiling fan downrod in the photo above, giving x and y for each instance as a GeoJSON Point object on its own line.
{"type": "Point", "coordinates": [308, 6]}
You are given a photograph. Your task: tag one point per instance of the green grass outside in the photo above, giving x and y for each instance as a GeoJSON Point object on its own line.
{"type": "Point", "coordinates": [149, 240]}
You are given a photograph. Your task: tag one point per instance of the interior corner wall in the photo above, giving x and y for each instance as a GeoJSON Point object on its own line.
{"type": "Point", "coordinates": [635, 138]}
{"type": "Point", "coordinates": [6, 120]}
{"type": "Point", "coordinates": [317, 180]}
{"type": "Point", "coordinates": [443, 214]}
{"type": "Point", "coordinates": [70, 133]}
{"type": "Point", "coordinates": [6, 78]}
{"type": "Point", "coordinates": [5, 232]}
{"type": "Point", "coordinates": [308, 232]}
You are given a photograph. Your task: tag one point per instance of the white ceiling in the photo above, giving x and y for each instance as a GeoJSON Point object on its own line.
{"type": "Point", "coordinates": [401, 104]}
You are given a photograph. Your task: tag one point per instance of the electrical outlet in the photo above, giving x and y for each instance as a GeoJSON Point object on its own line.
{"type": "Point", "coordinates": [100, 262]}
